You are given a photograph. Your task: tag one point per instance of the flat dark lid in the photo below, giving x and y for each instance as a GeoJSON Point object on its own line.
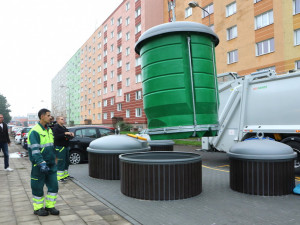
{"type": "Point", "coordinates": [173, 27]}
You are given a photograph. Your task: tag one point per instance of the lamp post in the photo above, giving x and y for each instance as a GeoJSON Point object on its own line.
{"type": "Point", "coordinates": [194, 4]}
{"type": "Point", "coordinates": [62, 86]}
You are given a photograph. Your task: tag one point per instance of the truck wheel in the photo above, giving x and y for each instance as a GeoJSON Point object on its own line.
{"type": "Point", "coordinates": [295, 145]}
{"type": "Point", "coordinates": [75, 157]}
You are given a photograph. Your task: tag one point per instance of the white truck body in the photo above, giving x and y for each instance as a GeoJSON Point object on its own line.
{"type": "Point", "coordinates": [261, 103]}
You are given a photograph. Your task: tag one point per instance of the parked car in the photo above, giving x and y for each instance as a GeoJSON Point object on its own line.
{"type": "Point", "coordinates": [24, 141]}
{"type": "Point", "coordinates": [83, 136]}
{"type": "Point", "coordinates": [18, 137]}
{"type": "Point", "coordinates": [14, 130]}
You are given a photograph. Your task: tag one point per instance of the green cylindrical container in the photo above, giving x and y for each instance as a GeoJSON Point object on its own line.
{"type": "Point", "coordinates": [179, 80]}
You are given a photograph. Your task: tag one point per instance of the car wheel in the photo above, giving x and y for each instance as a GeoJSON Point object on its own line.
{"type": "Point", "coordinates": [75, 157]}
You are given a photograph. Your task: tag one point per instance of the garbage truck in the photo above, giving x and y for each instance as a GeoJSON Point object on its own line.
{"type": "Point", "coordinates": [259, 105]}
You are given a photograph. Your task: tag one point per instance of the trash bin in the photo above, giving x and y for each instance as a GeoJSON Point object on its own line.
{"type": "Point", "coordinates": [161, 145]}
{"type": "Point", "coordinates": [179, 80]}
{"type": "Point", "coordinates": [161, 175]}
{"type": "Point", "coordinates": [262, 167]}
{"type": "Point", "coordinates": [104, 154]}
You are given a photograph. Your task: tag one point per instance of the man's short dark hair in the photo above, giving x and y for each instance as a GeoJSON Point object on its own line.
{"type": "Point", "coordinates": [43, 112]}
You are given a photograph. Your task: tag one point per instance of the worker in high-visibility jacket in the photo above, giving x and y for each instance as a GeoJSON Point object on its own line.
{"type": "Point", "coordinates": [61, 142]}
{"type": "Point", "coordinates": [42, 155]}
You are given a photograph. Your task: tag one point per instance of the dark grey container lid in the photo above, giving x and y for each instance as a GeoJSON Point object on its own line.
{"type": "Point", "coordinates": [162, 157]}
{"type": "Point", "coordinates": [117, 144]}
{"type": "Point", "coordinates": [161, 142]}
{"type": "Point", "coordinates": [261, 150]}
{"type": "Point", "coordinates": [180, 26]}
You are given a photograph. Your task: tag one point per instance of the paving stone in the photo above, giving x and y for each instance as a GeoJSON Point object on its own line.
{"type": "Point", "coordinates": [48, 218]}
{"type": "Point", "coordinates": [67, 218]}
{"type": "Point", "coordinates": [85, 212]}
{"type": "Point", "coordinates": [25, 218]}
{"type": "Point", "coordinates": [100, 222]}
{"type": "Point", "coordinates": [53, 222]}
{"type": "Point", "coordinates": [113, 217]}
{"type": "Point", "coordinates": [30, 222]}
{"type": "Point", "coordinates": [120, 222]}
{"type": "Point", "coordinates": [91, 218]}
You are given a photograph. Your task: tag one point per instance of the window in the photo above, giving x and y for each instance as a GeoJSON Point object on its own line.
{"type": "Point", "coordinates": [119, 35]}
{"type": "Point", "coordinates": [127, 66]}
{"type": "Point", "coordinates": [99, 92]}
{"type": "Point", "coordinates": [265, 47]}
{"type": "Point", "coordinates": [138, 78]}
{"type": "Point", "coordinates": [99, 104]}
{"type": "Point", "coordinates": [105, 77]}
{"type": "Point", "coordinates": [188, 12]}
{"type": "Point", "coordinates": [127, 21]}
{"type": "Point", "coordinates": [231, 32]}
{"type": "Point", "coordinates": [88, 132]}
{"type": "Point", "coordinates": [296, 6]}
{"type": "Point", "coordinates": [209, 9]}
{"type": "Point", "coordinates": [99, 116]}
{"type": "Point", "coordinates": [297, 65]}
{"type": "Point", "coordinates": [297, 37]}
{"type": "Point", "coordinates": [120, 21]}
{"type": "Point", "coordinates": [138, 95]}
{"type": "Point", "coordinates": [111, 34]}
{"type": "Point", "coordinates": [105, 90]}
{"type": "Point", "coordinates": [127, 97]}
{"type": "Point", "coordinates": [105, 53]}
{"type": "Point", "coordinates": [138, 112]}
{"type": "Point", "coordinates": [99, 80]}
{"type": "Point", "coordinates": [112, 101]}
{"type": "Point", "coordinates": [112, 74]}
{"type": "Point", "coordinates": [127, 82]}
{"type": "Point", "coordinates": [232, 57]}
{"type": "Point", "coordinates": [99, 57]}
{"type": "Point", "coordinates": [137, 12]}
{"type": "Point", "coordinates": [127, 50]}
{"type": "Point", "coordinates": [267, 68]}
{"type": "Point", "coordinates": [231, 9]}
{"type": "Point", "coordinates": [104, 103]}
{"type": "Point", "coordinates": [112, 61]}
{"type": "Point", "coordinates": [99, 45]}
{"type": "Point", "coordinates": [112, 48]}
{"type": "Point", "coordinates": [138, 28]}
{"type": "Point", "coordinates": [119, 78]}
{"type": "Point", "coordinates": [105, 116]}
{"type": "Point", "coordinates": [105, 40]}
{"type": "Point", "coordinates": [105, 65]}
{"type": "Point", "coordinates": [127, 36]}
{"type": "Point", "coordinates": [120, 49]}
{"type": "Point", "coordinates": [112, 114]}
{"type": "Point", "coordinates": [112, 21]}
{"type": "Point", "coordinates": [119, 92]}
{"type": "Point", "coordinates": [119, 107]}
{"type": "Point", "coordinates": [119, 63]}
{"type": "Point", "coordinates": [105, 28]}
{"type": "Point", "coordinates": [99, 34]}
{"type": "Point", "coordinates": [138, 61]}
{"type": "Point", "coordinates": [111, 87]}
{"type": "Point", "coordinates": [256, 1]}
{"type": "Point", "coordinates": [99, 69]}
{"type": "Point", "coordinates": [127, 6]}
{"type": "Point", "coordinates": [127, 113]}
{"type": "Point", "coordinates": [264, 19]}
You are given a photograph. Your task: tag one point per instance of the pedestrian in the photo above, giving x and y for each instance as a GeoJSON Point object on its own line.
{"type": "Point", "coordinates": [61, 143]}
{"type": "Point", "coordinates": [44, 171]}
{"type": "Point", "coordinates": [4, 143]}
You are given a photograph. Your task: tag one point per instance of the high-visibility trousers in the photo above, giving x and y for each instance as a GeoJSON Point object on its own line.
{"type": "Point", "coordinates": [38, 180]}
{"type": "Point", "coordinates": [62, 154]}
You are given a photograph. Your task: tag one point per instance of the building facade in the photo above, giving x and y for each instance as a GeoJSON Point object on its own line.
{"type": "Point", "coordinates": [110, 82]}
{"type": "Point", "coordinates": [254, 35]}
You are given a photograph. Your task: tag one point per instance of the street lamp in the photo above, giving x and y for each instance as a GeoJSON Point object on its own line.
{"type": "Point", "coordinates": [194, 4]}
{"type": "Point", "coordinates": [63, 86]}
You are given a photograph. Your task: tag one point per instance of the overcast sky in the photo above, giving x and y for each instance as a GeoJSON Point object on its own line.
{"type": "Point", "coordinates": [37, 38]}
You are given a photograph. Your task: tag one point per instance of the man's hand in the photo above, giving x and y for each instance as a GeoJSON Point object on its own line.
{"type": "Point", "coordinates": [44, 168]}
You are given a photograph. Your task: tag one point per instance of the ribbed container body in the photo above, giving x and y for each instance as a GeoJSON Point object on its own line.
{"type": "Point", "coordinates": [161, 182]}
{"type": "Point", "coordinates": [258, 177]}
{"type": "Point", "coordinates": [161, 148]}
{"type": "Point", "coordinates": [104, 166]}
{"type": "Point", "coordinates": [170, 92]}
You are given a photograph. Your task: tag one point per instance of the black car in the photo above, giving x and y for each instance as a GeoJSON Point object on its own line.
{"type": "Point", "coordinates": [83, 136]}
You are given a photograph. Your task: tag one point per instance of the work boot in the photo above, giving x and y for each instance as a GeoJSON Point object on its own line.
{"type": "Point", "coordinates": [41, 212]}
{"type": "Point", "coordinates": [52, 211]}
{"type": "Point", "coordinates": [62, 181]}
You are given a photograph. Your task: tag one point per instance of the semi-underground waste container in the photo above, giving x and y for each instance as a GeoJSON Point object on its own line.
{"type": "Point", "coordinates": [104, 154]}
{"type": "Point", "coordinates": [161, 145]}
{"type": "Point", "coordinates": [179, 80]}
{"type": "Point", "coordinates": [161, 175]}
{"type": "Point", "coordinates": [262, 167]}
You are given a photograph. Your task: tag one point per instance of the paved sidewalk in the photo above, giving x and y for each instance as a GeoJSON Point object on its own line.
{"type": "Point", "coordinates": [75, 204]}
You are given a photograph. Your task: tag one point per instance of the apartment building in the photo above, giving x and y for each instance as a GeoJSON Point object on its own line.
{"type": "Point", "coordinates": [254, 35]}
{"type": "Point", "coordinates": [65, 91]}
{"type": "Point", "coordinates": [110, 80]}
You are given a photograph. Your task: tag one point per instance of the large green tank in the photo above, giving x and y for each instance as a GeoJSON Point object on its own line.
{"type": "Point", "coordinates": [179, 80]}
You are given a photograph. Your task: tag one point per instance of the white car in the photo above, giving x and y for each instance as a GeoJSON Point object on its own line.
{"type": "Point", "coordinates": [18, 137]}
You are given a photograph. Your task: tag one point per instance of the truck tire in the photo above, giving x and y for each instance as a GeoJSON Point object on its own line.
{"type": "Point", "coordinates": [75, 157]}
{"type": "Point", "coordinates": [294, 143]}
